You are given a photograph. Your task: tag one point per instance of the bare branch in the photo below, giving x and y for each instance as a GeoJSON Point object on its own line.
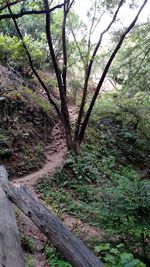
{"type": "Point", "coordinates": [64, 107]}
{"type": "Point", "coordinates": [78, 47]}
{"type": "Point", "coordinates": [30, 12]}
{"type": "Point", "coordinates": [51, 48]}
{"type": "Point", "coordinates": [89, 68]}
{"type": "Point", "coordinates": [141, 62]}
{"type": "Point", "coordinates": [98, 21]}
{"type": "Point", "coordinates": [85, 122]}
{"type": "Point", "coordinates": [64, 48]}
{"type": "Point", "coordinates": [32, 65]}
{"type": "Point", "coordinates": [92, 25]}
{"type": "Point", "coordinates": [67, 7]}
{"type": "Point", "coordinates": [10, 4]}
{"type": "Point", "coordinates": [72, 2]}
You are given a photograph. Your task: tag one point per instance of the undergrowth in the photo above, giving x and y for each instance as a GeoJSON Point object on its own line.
{"type": "Point", "coordinates": [25, 127]}
{"type": "Point", "coordinates": [104, 185]}
{"type": "Point", "coordinates": [111, 256]}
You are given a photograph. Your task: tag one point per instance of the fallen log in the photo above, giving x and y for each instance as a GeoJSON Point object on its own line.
{"type": "Point", "coordinates": [63, 240]}
{"type": "Point", "coordinates": [10, 247]}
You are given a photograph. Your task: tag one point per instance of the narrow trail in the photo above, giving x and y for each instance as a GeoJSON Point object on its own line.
{"type": "Point", "coordinates": [55, 153]}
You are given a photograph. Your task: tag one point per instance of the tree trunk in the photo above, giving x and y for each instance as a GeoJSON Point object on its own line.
{"type": "Point", "coordinates": [66, 243]}
{"type": "Point", "coordinates": [10, 247]}
{"type": "Point", "coordinates": [62, 90]}
{"type": "Point", "coordinates": [109, 62]}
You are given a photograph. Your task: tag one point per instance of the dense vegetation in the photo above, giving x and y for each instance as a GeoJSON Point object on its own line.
{"type": "Point", "coordinates": [107, 183]}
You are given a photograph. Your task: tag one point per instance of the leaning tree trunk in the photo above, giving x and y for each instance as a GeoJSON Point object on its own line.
{"type": "Point", "coordinates": [66, 243]}
{"type": "Point", "coordinates": [10, 246]}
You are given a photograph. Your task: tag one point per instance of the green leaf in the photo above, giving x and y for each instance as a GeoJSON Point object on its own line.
{"type": "Point", "coordinates": [135, 263]}
{"type": "Point", "coordinates": [109, 259]}
{"type": "Point", "coordinates": [102, 247]}
{"type": "Point", "coordinates": [114, 251]}
{"type": "Point", "coordinates": [126, 257]}
{"type": "Point", "coordinates": [121, 245]}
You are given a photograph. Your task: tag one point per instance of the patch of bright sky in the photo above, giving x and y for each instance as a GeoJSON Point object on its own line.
{"type": "Point", "coordinates": [126, 15]}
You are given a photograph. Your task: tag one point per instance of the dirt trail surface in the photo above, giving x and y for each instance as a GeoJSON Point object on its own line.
{"type": "Point", "coordinates": [55, 153]}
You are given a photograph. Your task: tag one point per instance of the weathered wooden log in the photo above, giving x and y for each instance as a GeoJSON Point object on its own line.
{"type": "Point", "coordinates": [65, 242]}
{"type": "Point", "coordinates": [10, 247]}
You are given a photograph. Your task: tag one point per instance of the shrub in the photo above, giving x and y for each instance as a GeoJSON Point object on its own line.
{"type": "Point", "coordinates": [12, 51]}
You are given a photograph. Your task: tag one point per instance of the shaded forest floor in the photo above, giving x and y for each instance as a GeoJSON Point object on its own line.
{"type": "Point", "coordinates": [76, 188]}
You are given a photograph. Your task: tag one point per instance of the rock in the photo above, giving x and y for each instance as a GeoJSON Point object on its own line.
{"type": "Point", "coordinates": [2, 99]}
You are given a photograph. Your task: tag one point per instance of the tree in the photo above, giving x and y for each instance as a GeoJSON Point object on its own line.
{"type": "Point", "coordinates": [40, 8]}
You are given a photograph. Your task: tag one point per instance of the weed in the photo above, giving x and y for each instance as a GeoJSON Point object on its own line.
{"type": "Point", "coordinates": [102, 185]}
{"type": "Point", "coordinates": [54, 258]}
{"type": "Point", "coordinates": [27, 243]}
{"type": "Point", "coordinates": [116, 256]}
{"type": "Point", "coordinates": [30, 262]}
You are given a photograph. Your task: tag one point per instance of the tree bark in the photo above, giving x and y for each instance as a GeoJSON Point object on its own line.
{"type": "Point", "coordinates": [88, 69]}
{"type": "Point", "coordinates": [11, 4]}
{"type": "Point", "coordinates": [64, 106]}
{"type": "Point", "coordinates": [64, 48]}
{"type": "Point", "coordinates": [10, 246]}
{"type": "Point", "coordinates": [65, 242]}
{"type": "Point", "coordinates": [26, 12]}
{"type": "Point", "coordinates": [85, 122]}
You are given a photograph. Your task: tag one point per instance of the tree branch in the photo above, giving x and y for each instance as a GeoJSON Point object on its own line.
{"type": "Point", "coordinates": [98, 21]}
{"type": "Point", "coordinates": [32, 66]}
{"type": "Point", "coordinates": [88, 71]}
{"type": "Point", "coordinates": [64, 48]}
{"type": "Point", "coordinates": [85, 122]}
{"type": "Point", "coordinates": [10, 4]}
{"type": "Point", "coordinates": [92, 25]}
{"type": "Point", "coordinates": [64, 108]}
{"type": "Point", "coordinates": [72, 248]}
{"type": "Point", "coordinates": [30, 12]}
{"type": "Point", "coordinates": [78, 47]}
{"type": "Point", "coordinates": [64, 43]}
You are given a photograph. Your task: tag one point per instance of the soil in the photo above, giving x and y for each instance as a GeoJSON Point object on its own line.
{"type": "Point", "coordinates": [55, 153]}
{"type": "Point", "coordinates": [28, 119]}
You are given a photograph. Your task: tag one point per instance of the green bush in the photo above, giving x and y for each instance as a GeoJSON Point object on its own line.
{"type": "Point", "coordinates": [116, 256]}
{"type": "Point", "coordinates": [13, 52]}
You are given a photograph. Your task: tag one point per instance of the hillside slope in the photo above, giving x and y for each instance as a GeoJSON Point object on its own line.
{"type": "Point", "coordinates": [26, 123]}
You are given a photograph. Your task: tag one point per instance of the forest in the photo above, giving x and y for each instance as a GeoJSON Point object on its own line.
{"type": "Point", "coordinates": [74, 133]}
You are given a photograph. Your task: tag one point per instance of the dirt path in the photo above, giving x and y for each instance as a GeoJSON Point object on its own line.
{"type": "Point", "coordinates": [55, 153]}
